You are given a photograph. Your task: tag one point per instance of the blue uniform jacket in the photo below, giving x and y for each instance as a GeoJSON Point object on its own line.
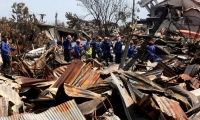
{"type": "Point", "coordinates": [131, 51]}
{"type": "Point", "coordinates": [118, 47]}
{"type": "Point", "coordinates": [87, 44]}
{"type": "Point", "coordinates": [77, 49]}
{"type": "Point", "coordinates": [105, 46]}
{"type": "Point", "coordinates": [151, 51]}
{"type": "Point", "coordinates": [5, 48]}
{"type": "Point", "coordinates": [67, 45]}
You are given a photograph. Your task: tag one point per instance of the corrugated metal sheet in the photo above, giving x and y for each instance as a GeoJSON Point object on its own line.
{"type": "Point", "coordinates": [4, 107]}
{"type": "Point", "coordinates": [78, 74]}
{"type": "Point", "coordinates": [194, 81]}
{"type": "Point", "coordinates": [170, 107]}
{"type": "Point", "coordinates": [11, 95]}
{"type": "Point", "coordinates": [78, 92]}
{"type": "Point", "coordinates": [168, 72]}
{"type": "Point", "coordinates": [66, 111]}
{"type": "Point", "coordinates": [70, 74]}
{"type": "Point", "coordinates": [59, 71]}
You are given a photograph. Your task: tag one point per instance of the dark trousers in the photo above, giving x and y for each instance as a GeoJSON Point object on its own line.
{"type": "Point", "coordinates": [6, 61]}
{"type": "Point", "coordinates": [67, 55]}
{"type": "Point", "coordinates": [118, 57]}
{"type": "Point", "coordinates": [77, 57]}
{"type": "Point", "coordinates": [107, 56]}
{"type": "Point", "coordinates": [93, 53]}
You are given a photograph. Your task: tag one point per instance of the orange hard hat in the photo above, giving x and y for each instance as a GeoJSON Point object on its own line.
{"type": "Point", "coordinates": [78, 40]}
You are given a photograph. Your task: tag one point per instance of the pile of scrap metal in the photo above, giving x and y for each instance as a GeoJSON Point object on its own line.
{"type": "Point", "coordinates": [86, 90]}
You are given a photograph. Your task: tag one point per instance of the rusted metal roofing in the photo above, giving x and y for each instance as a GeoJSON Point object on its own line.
{"type": "Point", "coordinates": [66, 111]}
{"type": "Point", "coordinates": [59, 71]}
{"type": "Point", "coordinates": [26, 80]}
{"type": "Point", "coordinates": [70, 74]}
{"type": "Point", "coordinates": [78, 74]}
{"type": "Point", "coordinates": [168, 72]}
{"type": "Point", "coordinates": [170, 107]}
{"type": "Point", "coordinates": [78, 92]}
{"type": "Point", "coordinates": [194, 81]}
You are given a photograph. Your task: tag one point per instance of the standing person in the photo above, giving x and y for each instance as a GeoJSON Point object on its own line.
{"type": "Point", "coordinates": [5, 52]}
{"type": "Point", "coordinates": [94, 47]}
{"type": "Point", "coordinates": [118, 50]}
{"type": "Point", "coordinates": [105, 46]}
{"type": "Point", "coordinates": [131, 50]}
{"type": "Point", "coordinates": [151, 50]}
{"type": "Point", "coordinates": [87, 49]}
{"type": "Point", "coordinates": [77, 50]}
{"type": "Point", "coordinates": [98, 49]}
{"type": "Point", "coordinates": [67, 46]}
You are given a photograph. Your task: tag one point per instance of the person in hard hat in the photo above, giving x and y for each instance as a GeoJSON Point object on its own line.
{"type": "Point", "coordinates": [77, 50]}
{"type": "Point", "coordinates": [87, 49]}
{"type": "Point", "coordinates": [151, 50]}
{"type": "Point", "coordinates": [105, 46]}
{"type": "Point", "coordinates": [98, 49]}
{"type": "Point", "coordinates": [118, 50]}
{"type": "Point", "coordinates": [131, 50]}
{"type": "Point", "coordinates": [67, 46]}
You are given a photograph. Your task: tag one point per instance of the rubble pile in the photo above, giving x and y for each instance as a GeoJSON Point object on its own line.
{"type": "Point", "coordinates": [83, 91]}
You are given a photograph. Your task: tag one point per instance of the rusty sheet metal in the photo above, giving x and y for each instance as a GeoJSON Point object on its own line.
{"type": "Point", "coordinates": [66, 111]}
{"type": "Point", "coordinates": [60, 70]}
{"type": "Point", "coordinates": [4, 107]}
{"type": "Point", "coordinates": [171, 108]}
{"type": "Point", "coordinates": [168, 72]}
{"type": "Point", "coordinates": [48, 74]}
{"type": "Point", "coordinates": [26, 80]}
{"type": "Point", "coordinates": [194, 81]}
{"type": "Point", "coordinates": [78, 92]}
{"type": "Point", "coordinates": [92, 79]}
{"type": "Point", "coordinates": [70, 73]}
{"type": "Point", "coordinates": [84, 74]}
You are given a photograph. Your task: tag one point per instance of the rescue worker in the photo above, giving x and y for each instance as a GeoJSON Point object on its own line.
{"type": "Point", "coordinates": [94, 47]}
{"type": "Point", "coordinates": [151, 50]}
{"type": "Point", "coordinates": [67, 46]}
{"type": "Point", "coordinates": [77, 50]}
{"type": "Point", "coordinates": [5, 48]}
{"type": "Point", "coordinates": [87, 51]}
{"type": "Point", "coordinates": [105, 46]}
{"type": "Point", "coordinates": [131, 50]}
{"type": "Point", "coordinates": [98, 49]}
{"type": "Point", "coordinates": [118, 50]}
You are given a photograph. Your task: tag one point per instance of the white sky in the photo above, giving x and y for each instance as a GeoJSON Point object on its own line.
{"type": "Point", "coordinates": [50, 7]}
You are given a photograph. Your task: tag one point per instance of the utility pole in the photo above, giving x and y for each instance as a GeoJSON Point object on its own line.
{"type": "Point", "coordinates": [129, 38]}
{"type": "Point", "coordinates": [55, 32]}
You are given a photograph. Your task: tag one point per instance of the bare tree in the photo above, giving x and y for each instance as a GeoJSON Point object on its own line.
{"type": "Point", "coordinates": [74, 21]}
{"type": "Point", "coordinates": [107, 11]}
{"type": "Point", "coordinates": [25, 22]}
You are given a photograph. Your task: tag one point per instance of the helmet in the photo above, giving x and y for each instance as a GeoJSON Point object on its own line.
{"type": "Point", "coordinates": [151, 42]}
{"type": "Point", "coordinates": [69, 36]}
{"type": "Point", "coordinates": [78, 40]}
{"type": "Point", "coordinates": [105, 38]}
{"type": "Point", "coordinates": [117, 35]}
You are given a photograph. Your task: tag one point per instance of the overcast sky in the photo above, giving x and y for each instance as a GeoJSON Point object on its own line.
{"type": "Point", "coordinates": [50, 7]}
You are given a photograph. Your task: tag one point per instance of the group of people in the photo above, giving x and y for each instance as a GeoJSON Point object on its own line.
{"type": "Point", "coordinates": [98, 48]}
